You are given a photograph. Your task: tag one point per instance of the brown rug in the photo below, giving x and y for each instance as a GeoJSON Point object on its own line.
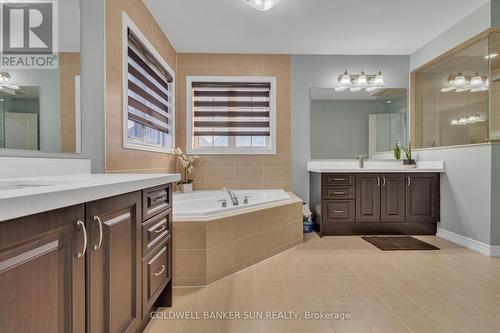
{"type": "Point", "coordinates": [399, 243]}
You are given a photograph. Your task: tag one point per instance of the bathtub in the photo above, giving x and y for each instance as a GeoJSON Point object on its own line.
{"type": "Point", "coordinates": [200, 204]}
{"type": "Point", "coordinates": [211, 242]}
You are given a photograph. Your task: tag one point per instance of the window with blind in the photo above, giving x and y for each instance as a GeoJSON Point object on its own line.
{"type": "Point", "coordinates": [231, 115]}
{"type": "Point", "coordinates": [149, 96]}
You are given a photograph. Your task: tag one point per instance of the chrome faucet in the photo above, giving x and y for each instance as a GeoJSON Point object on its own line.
{"type": "Point", "coordinates": [361, 159]}
{"type": "Point", "coordinates": [232, 196]}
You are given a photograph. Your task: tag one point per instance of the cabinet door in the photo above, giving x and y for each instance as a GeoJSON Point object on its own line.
{"type": "Point", "coordinates": [392, 197]}
{"type": "Point", "coordinates": [368, 197]}
{"type": "Point", "coordinates": [422, 197]}
{"type": "Point", "coordinates": [42, 280]}
{"type": "Point", "coordinates": [113, 268]}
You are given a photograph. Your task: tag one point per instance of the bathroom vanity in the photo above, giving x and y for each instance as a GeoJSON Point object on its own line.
{"type": "Point", "coordinates": [380, 198]}
{"type": "Point", "coordinates": [97, 258]}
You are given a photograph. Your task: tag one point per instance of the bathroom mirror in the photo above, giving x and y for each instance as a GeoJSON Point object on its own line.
{"type": "Point", "coordinates": [346, 124]}
{"type": "Point", "coordinates": [40, 108]}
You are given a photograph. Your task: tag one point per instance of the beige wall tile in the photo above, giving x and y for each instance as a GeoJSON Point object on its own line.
{"type": "Point", "coordinates": [190, 235]}
{"type": "Point", "coordinates": [220, 232]}
{"type": "Point", "coordinates": [248, 248]}
{"type": "Point", "coordinates": [220, 259]}
{"type": "Point", "coordinates": [189, 264]}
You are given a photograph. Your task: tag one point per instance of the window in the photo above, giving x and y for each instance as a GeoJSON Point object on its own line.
{"type": "Point", "coordinates": [148, 95]}
{"type": "Point", "coordinates": [231, 115]}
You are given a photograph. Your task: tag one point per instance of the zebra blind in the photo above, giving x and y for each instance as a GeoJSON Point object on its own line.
{"type": "Point", "coordinates": [148, 88]}
{"type": "Point", "coordinates": [231, 109]}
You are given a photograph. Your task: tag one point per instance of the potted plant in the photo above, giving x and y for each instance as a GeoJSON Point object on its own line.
{"type": "Point", "coordinates": [397, 151]}
{"type": "Point", "coordinates": [409, 162]}
{"type": "Point", "coordinates": [187, 164]}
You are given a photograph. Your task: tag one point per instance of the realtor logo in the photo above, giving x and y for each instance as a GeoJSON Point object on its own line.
{"type": "Point", "coordinates": [29, 34]}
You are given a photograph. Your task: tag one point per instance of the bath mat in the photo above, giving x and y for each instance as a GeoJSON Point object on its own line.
{"type": "Point", "coordinates": [399, 243]}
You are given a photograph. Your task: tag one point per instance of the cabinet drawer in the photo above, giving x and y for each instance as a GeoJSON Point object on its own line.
{"type": "Point", "coordinates": [339, 211]}
{"type": "Point", "coordinates": [155, 229]}
{"type": "Point", "coordinates": [156, 200]}
{"type": "Point", "coordinates": [336, 193]}
{"type": "Point", "coordinates": [156, 273]}
{"type": "Point", "coordinates": [339, 179]}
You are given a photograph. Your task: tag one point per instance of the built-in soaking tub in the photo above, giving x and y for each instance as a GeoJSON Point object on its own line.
{"type": "Point", "coordinates": [202, 204]}
{"type": "Point", "coordinates": [211, 241]}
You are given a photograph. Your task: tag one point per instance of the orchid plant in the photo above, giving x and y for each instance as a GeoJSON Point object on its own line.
{"type": "Point", "coordinates": [187, 163]}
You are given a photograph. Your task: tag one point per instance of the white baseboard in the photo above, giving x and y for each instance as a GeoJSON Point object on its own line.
{"type": "Point", "coordinates": [472, 244]}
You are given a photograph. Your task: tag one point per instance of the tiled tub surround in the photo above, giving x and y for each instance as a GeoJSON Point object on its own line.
{"type": "Point", "coordinates": [206, 250]}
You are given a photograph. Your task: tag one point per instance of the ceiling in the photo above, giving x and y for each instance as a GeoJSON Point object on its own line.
{"type": "Point", "coordinates": [308, 26]}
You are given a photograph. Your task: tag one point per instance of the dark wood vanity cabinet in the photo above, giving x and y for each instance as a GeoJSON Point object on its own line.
{"type": "Point", "coordinates": [95, 267]}
{"type": "Point", "coordinates": [368, 198]}
{"type": "Point", "coordinates": [422, 198]}
{"type": "Point", "coordinates": [113, 269]}
{"type": "Point", "coordinates": [42, 272]}
{"type": "Point", "coordinates": [375, 203]}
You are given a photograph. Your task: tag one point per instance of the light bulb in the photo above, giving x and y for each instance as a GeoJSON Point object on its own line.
{"type": "Point", "coordinates": [356, 89]}
{"type": "Point", "coordinates": [462, 121]}
{"type": "Point", "coordinates": [346, 79]}
{"type": "Point", "coordinates": [340, 88]}
{"type": "Point", "coordinates": [262, 5]}
{"type": "Point", "coordinates": [471, 119]}
{"type": "Point", "coordinates": [476, 81]}
{"type": "Point", "coordinates": [447, 89]}
{"type": "Point", "coordinates": [362, 79]}
{"type": "Point", "coordinates": [454, 122]}
{"type": "Point", "coordinates": [459, 80]}
{"type": "Point", "coordinates": [491, 56]}
{"type": "Point", "coordinates": [372, 89]}
{"type": "Point", "coordinates": [379, 79]}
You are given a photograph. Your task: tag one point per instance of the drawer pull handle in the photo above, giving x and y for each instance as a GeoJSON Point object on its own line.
{"type": "Point", "coordinates": [81, 225]}
{"type": "Point", "coordinates": [338, 193]}
{"type": "Point", "coordinates": [162, 229]}
{"type": "Point", "coordinates": [161, 270]}
{"type": "Point", "coordinates": [156, 200]}
{"type": "Point", "coordinates": [339, 211]}
{"type": "Point", "coordinates": [339, 179]}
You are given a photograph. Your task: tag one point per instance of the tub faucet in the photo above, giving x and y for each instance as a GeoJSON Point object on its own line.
{"type": "Point", "coordinates": [232, 196]}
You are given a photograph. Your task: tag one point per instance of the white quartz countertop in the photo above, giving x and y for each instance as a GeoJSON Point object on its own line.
{"type": "Point", "coordinates": [372, 166]}
{"type": "Point", "coordinates": [25, 196]}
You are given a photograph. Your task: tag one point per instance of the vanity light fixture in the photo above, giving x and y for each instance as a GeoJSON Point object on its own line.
{"type": "Point", "coordinates": [361, 81]}
{"type": "Point", "coordinates": [491, 56]}
{"type": "Point", "coordinates": [466, 120]}
{"type": "Point", "coordinates": [262, 5]}
{"type": "Point", "coordinates": [462, 83]}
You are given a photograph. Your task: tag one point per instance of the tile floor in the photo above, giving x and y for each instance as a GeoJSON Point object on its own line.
{"type": "Point", "coordinates": [452, 290]}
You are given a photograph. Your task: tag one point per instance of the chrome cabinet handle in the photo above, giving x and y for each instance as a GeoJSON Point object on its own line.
{"type": "Point", "coordinates": [162, 229]}
{"type": "Point", "coordinates": [383, 181]}
{"type": "Point", "coordinates": [339, 211]}
{"type": "Point", "coordinates": [409, 180]}
{"type": "Point", "coordinates": [81, 226]}
{"type": "Point", "coordinates": [338, 193]}
{"type": "Point", "coordinates": [98, 246]}
{"type": "Point", "coordinates": [338, 179]}
{"type": "Point", "coordinates": [378, 181]}
{"type": "Point", "coordinates": [161, 270]}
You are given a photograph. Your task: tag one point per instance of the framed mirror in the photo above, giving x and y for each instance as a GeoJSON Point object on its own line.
{"type": "Point", "coordinates": [347, 124]}
{"type": "Point", "coordinates": [40, 105]}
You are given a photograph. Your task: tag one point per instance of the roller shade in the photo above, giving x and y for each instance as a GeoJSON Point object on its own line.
{"type": "Point", "coordinates": [148, 88]}
{"type": "Point", "coordinates": [231, 108]}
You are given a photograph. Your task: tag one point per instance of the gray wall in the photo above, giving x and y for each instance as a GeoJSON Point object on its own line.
{"type": "Point", "coordinates": [470, 26]}
{"type": "Point", "coordinates": [310, 71]}
{"type": "Point", "coordinates": [495, 195]}
{"type": "Point", "coordinates": [339, 128]}
{"type": "Point", "coordinates": [93, 84]}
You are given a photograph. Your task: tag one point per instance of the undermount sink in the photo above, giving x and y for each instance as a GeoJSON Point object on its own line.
{"type": "Point", "coordinates": [22, 184]}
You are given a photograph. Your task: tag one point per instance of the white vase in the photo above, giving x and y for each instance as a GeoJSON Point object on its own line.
{"type": "Point", "coordinates": [186, 188]}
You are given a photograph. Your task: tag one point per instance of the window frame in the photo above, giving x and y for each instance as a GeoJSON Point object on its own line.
{"type": "Point", "coordinates": [127, 24]}
{"type": "Point", "coordinates": [232, 150]}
